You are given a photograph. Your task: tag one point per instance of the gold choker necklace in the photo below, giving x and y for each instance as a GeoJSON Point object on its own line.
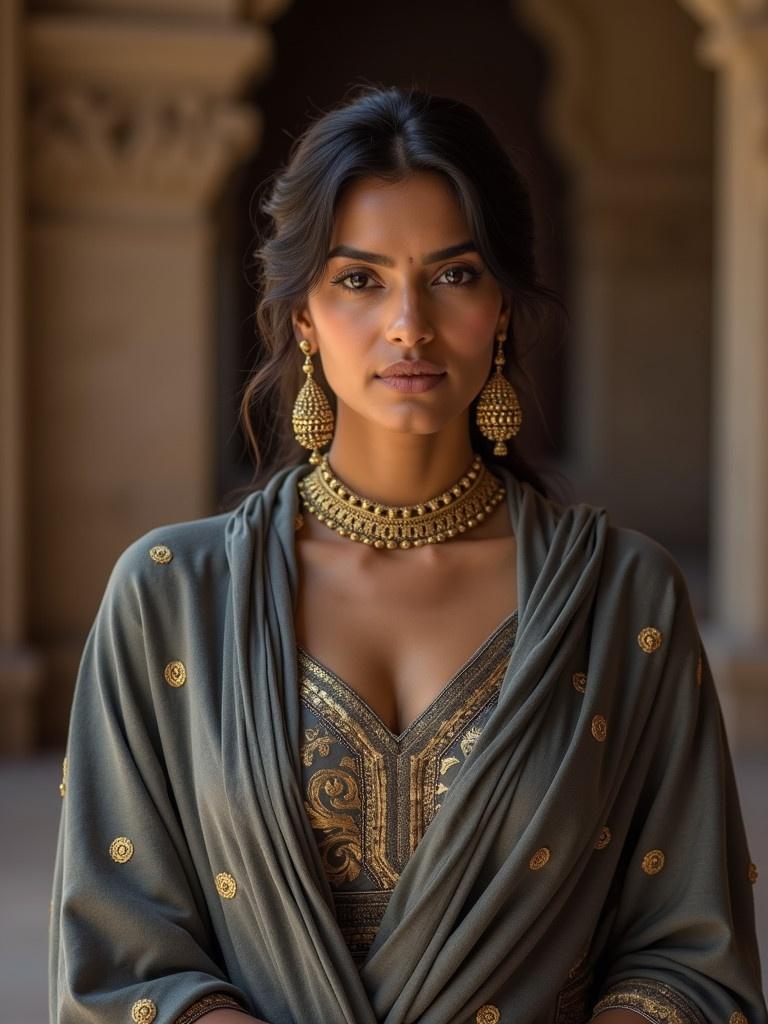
{"type": "Point", "coordinates": [461, 507]}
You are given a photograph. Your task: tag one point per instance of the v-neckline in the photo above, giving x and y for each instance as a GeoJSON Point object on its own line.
{"type": "Point", "coordinates": [399, 738]}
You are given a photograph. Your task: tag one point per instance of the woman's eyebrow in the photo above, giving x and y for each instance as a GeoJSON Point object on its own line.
{"type": "Point", "coordinates": [386, 261]}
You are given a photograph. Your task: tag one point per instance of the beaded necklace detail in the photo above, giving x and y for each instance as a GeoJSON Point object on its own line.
{"type": "Point", "coordinates": [434, 521]}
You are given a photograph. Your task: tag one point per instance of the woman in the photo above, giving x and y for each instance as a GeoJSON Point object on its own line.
{"type": "Point", "coordinates": [401, 737]}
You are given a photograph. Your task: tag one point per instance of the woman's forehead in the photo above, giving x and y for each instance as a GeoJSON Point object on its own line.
{"type": "Point", "coordinates": [421, 213]}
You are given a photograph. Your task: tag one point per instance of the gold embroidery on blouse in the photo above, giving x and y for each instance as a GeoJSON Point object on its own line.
{"type": "Point", "coordinates": [752, 872]}
{"type": "Point", "coordinates": [604, 838]}
{"type": "Point", "coordinates": [425, 765]}
{"type": "Point", "coordinates": [488, 1014]}
{"type": "Point", "coordinates": [121, 849]}
{"type": "Point", "coordinates": [599, 728]}
{"type": "Point", "coordinates": [64, 772]}
{"type": "Point", "coordinates": [656, 1001]}
{"type": "Point", "coordinates": [213, 1001]}
{"type": "Point", "coordinates": [342, 832]}
{"type": "Point", "coordinates": [160, 554]}
{"type": "Point", "coordinates": [653, 862]}
{"type": "Point", "coordinates": [579, 680]}
{"type": "Point", "coordinates": [359, 915]}
{"type": "Point", "coordinates": [175, 674]}
{"type": "Point", "coordinates": [143, 1011]}
{"type": "Point", "coordinates": [469, 739]}
{"type": "Point", "coordinates": [649, 639]}
{"type": "Point", "coordinates": [316, 744]}
{"type": "Point", "coordinates": [422, 775]}
{"type": "Point", "coordinates": [737, 1017]}
{"type": "Point", "coordinates": [372, 766]}
{"type": "Point", "coordinates": [539, 859]}
{"type": "Point", "coordinates": [226, 886]}
{"type": "Point", "coordinates": [466, 744]}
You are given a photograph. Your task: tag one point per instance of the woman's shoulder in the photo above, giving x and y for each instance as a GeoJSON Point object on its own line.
{"type": "Point", "coordinates": [642, 574]}
{"type": "Point", "coordinates": [190, 551]}
{"type": "Point", "coordinates": [637, 551]}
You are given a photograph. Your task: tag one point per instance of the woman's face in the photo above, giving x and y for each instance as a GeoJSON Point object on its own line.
{"type": "Point", "coordinates": [403, 282]}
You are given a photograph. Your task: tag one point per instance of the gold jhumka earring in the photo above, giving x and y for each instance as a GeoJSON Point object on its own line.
{"type": "Point", "coordinates": [312, 414]}
{"type": "Point", "coordinates": [498, 414]}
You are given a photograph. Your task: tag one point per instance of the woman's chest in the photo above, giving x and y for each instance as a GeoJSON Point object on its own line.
{"type": "Point", "coordinates": [396, 634]}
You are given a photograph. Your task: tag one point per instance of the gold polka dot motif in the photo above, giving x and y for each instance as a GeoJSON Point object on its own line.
{"type": "Point", "coordinates": [226, 885]}
{"type": "Point", "coordinates": [737, 1017]}
{"type": "Point", "coordinates": [160, 554]}
{"type": "Point", "coordinates": [653, 862]}
{"type": "Point", "coordinates": [121, 849]}
{"type": "Point", "coordinates": [604, 838]}
{"type": "Point", "coordinates": [649, 639]}
{"type": "Point", "coordinates": [579, 680]}
{"type": "Point", "coordinates": [175, 674]}
{"type": "Point", "coordinates": [752, 872]}
{"type": "Point", "coordinates": [599, 728]}
{"type": "Point", "coordinates": [488, 1014]}
{"type": "Point", "coordinates": [143, 1011]}
{"type": "Point", "coordinates": [539, 859]}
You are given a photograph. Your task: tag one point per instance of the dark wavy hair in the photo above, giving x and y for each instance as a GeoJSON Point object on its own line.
{"type": "Point", "coordinates": [386, 133]}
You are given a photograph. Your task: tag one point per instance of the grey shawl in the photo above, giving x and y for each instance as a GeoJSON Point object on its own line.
{"type": "Point", "coordinates": [591, 847]}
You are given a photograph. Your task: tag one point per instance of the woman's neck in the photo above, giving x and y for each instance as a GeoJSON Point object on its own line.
{"type": "Point", "coordinates": [402, 469]}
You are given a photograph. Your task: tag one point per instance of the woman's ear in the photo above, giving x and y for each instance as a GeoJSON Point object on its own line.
{"type": "Point", "coordinates": [302, 324]}
{"type": "Point", "coordinates": [505, 315]}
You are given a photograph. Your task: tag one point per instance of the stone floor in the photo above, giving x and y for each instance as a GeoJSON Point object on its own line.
{"type": "Point", "coordinates": [29, 810]}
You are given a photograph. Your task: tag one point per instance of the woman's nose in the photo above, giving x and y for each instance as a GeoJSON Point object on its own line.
{"type": "Point", "coordinates": [410, 325]}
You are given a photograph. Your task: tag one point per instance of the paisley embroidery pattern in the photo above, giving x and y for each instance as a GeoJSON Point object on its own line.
{"type": "Point", "coordinates": [370, 795]}
{"type": "Point", "coordinates": [333, 795]}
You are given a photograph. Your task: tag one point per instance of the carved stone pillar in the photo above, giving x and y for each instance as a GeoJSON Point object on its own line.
{"type": "Point", "coordinates": [735, 44]}
{"type": "Point", "coordinates": [134, 124]}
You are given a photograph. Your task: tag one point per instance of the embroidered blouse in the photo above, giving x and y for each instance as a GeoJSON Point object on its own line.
{"type": "Point", "coordinates": [371, 794]}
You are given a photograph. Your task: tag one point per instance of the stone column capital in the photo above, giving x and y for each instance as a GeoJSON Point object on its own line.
{"type": "Point", "coordinates": [133, 114]}
{"type": "Point", "coordinates": [735, 40]}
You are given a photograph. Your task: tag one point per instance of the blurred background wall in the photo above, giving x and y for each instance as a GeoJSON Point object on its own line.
{"type": "Point", "coordinates": [136, 137]}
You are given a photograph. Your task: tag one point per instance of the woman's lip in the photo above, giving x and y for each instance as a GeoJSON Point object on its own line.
{"type": "Point", "coordinates": [413, 383]}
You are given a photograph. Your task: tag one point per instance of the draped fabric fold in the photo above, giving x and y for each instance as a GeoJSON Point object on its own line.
{"type": "Point", "coordinates": [591, 844]}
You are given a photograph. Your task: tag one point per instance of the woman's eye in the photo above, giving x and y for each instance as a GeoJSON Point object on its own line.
{"type": "Point", "coordinates": [350, 275]}
{"type": "Point", "coordinates": [457, 271]}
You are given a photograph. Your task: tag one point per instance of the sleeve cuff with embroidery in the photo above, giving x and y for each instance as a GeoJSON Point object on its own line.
{"type": "Point", "coordinates": [655, 1001]}
{"type": "Point", "coordinates": [212, 1001]}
